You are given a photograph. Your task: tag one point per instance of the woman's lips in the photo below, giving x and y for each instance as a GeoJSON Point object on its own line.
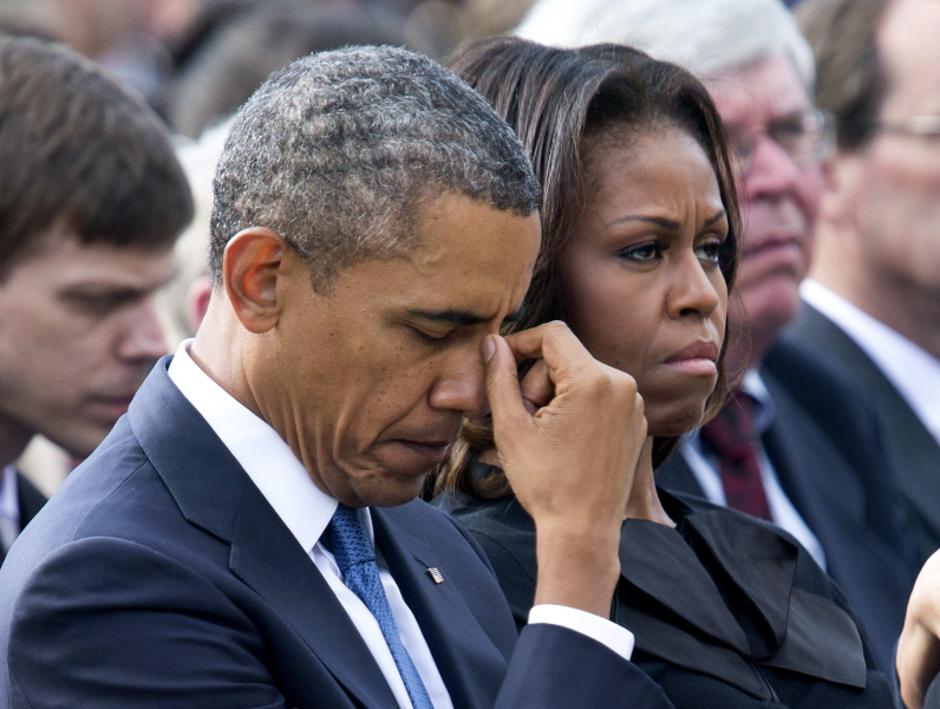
{"type": "Point", "coordinates": [698, 359]}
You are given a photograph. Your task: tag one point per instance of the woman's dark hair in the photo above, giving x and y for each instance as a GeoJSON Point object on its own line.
{"type": "Point", "coordinates": [556, 99]}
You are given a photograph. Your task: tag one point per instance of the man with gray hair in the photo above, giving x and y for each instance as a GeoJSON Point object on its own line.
{"type": "Point", "coordinates": [873, 300]}
{"type": "Point", "coordinates": [248, 534]}
{"type": "Point", "coordinates": [770, 453]}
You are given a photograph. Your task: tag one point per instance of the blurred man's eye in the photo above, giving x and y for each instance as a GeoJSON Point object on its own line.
{"type": "Point", "coordinates": [99, 303]}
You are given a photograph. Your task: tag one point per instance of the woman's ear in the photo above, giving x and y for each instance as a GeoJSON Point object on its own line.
{"type": "Point", "coordinates": [251, 266]}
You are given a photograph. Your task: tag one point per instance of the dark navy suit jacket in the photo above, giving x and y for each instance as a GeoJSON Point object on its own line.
{"type": "Point", "coordinates": [160, 576]}
{"type": "Point", "coordinates": [913, 451]}
{"type": "Point", "coordinates": [834, 470]}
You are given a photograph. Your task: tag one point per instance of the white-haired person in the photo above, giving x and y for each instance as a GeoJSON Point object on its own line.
{"type": "Point", "coordinates": [812, 461]}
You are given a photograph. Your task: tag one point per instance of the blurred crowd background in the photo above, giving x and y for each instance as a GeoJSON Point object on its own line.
{"type": "Point", "coordinates": [197, 60]}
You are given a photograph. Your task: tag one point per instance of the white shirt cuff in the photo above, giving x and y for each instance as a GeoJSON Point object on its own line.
{"type": "Point", "coordinates": [615, 637]}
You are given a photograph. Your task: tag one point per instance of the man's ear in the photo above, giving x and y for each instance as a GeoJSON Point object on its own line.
{"type": "Point", "coordinates": [840, 173]}
{"type": "Point", "coordinates": [197, 301]}
{"type": "Point", "coordinates": [251, 265]}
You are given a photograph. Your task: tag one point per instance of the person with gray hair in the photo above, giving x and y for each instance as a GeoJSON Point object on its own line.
{"type": "Point", "coordinates": [812, 461]}
{"type": "Point", "coordinates": [248, 535]}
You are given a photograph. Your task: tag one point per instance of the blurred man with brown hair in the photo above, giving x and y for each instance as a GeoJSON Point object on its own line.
{"type": "Point", "coordinates": [91, 201]}
{"type": "Point", "coordinates": [872, 303]}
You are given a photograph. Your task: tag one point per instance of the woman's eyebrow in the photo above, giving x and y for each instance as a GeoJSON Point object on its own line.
{"type": "Point", "coordinates": [662, 222]}
{"type": "Point", "coordinates": [716, 217]}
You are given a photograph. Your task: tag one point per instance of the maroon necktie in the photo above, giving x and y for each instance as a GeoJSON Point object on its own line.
{"type": "Point", "coordinates": [733, 438]}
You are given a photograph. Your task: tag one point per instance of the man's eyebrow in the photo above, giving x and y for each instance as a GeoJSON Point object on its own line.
{"type": "Point", "coordinates": [460, 317]}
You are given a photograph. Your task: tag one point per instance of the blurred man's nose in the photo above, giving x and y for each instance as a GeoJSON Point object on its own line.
{"type": "Point", "coordinates": [143, 337]}
{"type": "Point", "coordinates": [772, 171]}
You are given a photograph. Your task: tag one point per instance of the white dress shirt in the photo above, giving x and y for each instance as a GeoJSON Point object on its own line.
{"type": "Point", "coordinates": [306, 510]}
{"type": "Point", "coordinates": [913, 371]}
{"type": "Point", "coordinates": [705, 469]}
{"type": "Point", "coordinates": [9, 508]}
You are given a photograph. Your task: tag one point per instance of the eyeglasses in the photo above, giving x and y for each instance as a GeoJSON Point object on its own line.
{"type": "Point", "coordinates": [804, 136]}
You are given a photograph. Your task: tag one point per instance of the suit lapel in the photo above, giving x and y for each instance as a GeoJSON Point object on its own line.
{"type": "Point", "coordinates": [470, 664]}
{"type": "Point", "coordinates": [777, 623]}
{"type": "Point", "coordinates": [268, 558]}
{"type": "Point", "coordinates": [215, 494]}
{"type": "Point", "coordinates": [918, 472]}
{"type": "Point", "coordinates": [760, 563]}
{"type": "Point", "coordinates": [657, 561]}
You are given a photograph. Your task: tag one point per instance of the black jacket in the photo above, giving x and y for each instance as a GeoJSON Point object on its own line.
{"type": "Point", "coordinates": [728, 611]}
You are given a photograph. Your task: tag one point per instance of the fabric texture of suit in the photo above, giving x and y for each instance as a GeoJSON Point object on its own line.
{"type": "Point", "coordinates": [160, 576]}
{"type": "Point", "coordinates": [914, 452]}
{"type": "Point", "coordinates": [728, 611]}
{"type": "Point", "coordinates": [834, 470]}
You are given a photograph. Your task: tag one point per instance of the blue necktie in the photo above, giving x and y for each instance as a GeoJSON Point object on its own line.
{"type": "Point", "coordinates": [355, 556]}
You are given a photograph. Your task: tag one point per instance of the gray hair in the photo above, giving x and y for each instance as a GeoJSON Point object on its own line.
{"type": "Point", "coordinates": [336, 151]}
{"type": "Point", "coordinates": [710, 38]}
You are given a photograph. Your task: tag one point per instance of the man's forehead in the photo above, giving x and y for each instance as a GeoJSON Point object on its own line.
{"type": "Point", "coordinates": [907, 45]}
{"type": "Point", "coordinates": [65, 258]}
{"type": "Point", "coordinates": [762, 91]}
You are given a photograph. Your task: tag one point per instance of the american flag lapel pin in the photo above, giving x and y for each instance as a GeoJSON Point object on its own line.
{"type": "Point", "coordinates": [435, 574]}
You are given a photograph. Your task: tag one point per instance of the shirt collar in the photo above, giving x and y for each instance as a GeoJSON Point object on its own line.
{"type": "Point", "coordinates": [764, 409]}
{"type": "Point", "coordinates": [270, 463]}
{"type": "Point", "coordinates": [911, 369]}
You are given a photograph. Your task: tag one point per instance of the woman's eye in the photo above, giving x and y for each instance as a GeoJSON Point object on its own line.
{"type": "Point", "coordinates": [709, 251]}
{"type": "Point", "coordinates": [641, 252]}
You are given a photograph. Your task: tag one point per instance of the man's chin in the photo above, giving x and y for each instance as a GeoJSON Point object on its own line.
{"type": "Point", "coordinates": [388, 493]}
{"type": "Point", "coordinates": [768, 308]}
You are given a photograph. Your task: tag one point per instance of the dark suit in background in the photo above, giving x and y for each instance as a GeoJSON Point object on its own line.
{"type": "Point", "coordinates": [833, 468]}
{"type": "Point", "coordinates": [914, 453]}
{"type": "Point", "coordinates": [29, 498]}
{"type": "Point", "coordinates": [29, 501]}
{"type": "Point", "coordinates": [160, 576]}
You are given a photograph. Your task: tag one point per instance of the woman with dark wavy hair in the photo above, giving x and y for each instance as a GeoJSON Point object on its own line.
{"type": "Point", "coordinates": [639, 249]}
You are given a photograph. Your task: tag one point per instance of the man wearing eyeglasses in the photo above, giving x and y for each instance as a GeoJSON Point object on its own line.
{"type": "Point", "coordinates": [771, 454]}
{"type": "Point", "coordinates": [873, 301]}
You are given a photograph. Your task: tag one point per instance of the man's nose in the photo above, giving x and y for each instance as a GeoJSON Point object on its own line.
{"type": "Point", "coordinates": [772, 170]}
{"type": "Point", "coordinates": [143, 337]}
{"type": "Point", "coordinates": [463, 390]}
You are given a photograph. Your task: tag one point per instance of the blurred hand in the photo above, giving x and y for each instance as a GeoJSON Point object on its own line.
{"type": "Point", "coordinates": [569, 436]}
{"type": "Point", "coordinates": [918, 658]}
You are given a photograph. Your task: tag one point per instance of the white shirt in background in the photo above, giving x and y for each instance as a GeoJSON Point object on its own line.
{"type": "Point", "coordinates": [913, 371]}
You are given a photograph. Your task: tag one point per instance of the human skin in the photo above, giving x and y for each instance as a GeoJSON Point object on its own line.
{"type": "Point", "coordinates": [878, 244]}
{"type": "Point", "coordinates": [779, 200]}
{"type": "Point", "coordinates": [78, 333]}
{"type": "Point", "coordinates": [642, 284]}
{"type": "Point", "coordinates": [368, 380]}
